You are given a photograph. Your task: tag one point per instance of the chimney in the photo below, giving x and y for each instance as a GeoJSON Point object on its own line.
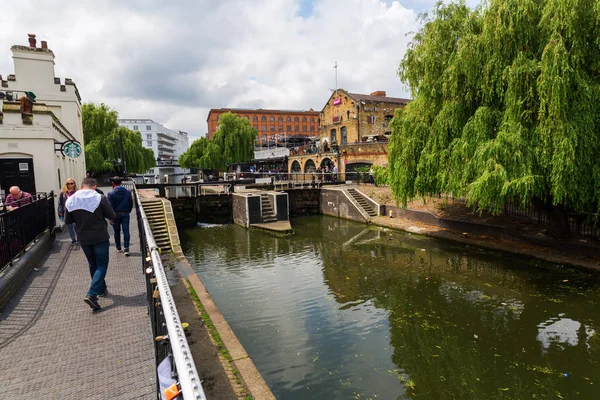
{"type": "Point", "coordinates": [31, 39]}
{"type": "Point", "coordinates": [44, 44]}
{"type": "Point", "coordinates": [379, 93]}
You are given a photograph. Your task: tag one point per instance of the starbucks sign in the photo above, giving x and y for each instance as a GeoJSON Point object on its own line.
{"type": "Point", "coordinates": [71, 149]}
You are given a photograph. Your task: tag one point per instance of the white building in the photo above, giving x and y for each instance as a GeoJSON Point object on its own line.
{"type": "Point", "coordinates": [31, 139]}
{"type": "Point", "coordinates": [167, 145]}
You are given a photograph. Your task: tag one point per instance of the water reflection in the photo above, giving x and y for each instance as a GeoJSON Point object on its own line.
{"type": "Point", "coordinates": [339, 311]}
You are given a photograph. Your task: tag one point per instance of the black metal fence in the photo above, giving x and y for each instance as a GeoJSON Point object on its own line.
{"type": "Point", "coordinates": [22, 222]}
{"type": "Point", "coordinates": [586, 224]}
{"type": "Point", "coordinates": [164, 318]}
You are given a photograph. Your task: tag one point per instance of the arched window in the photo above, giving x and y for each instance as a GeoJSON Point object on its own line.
{"type": "Point", "coordinates": [312, 119]}
{"type": "Point", "coordinates": [303, 119]}
{"type": "Point", "coordinates": [297, 128]}
{"type": "Point", "coordinates": [263, 118]}
{"type": "Point", "coordinates": [296, 119]}
{"type": "Point", "coordinates": [247, 117]}
{"type": "Point", "coordinates": [304, 128]}
{"type": "Point", "coordinates": [255, 118]}
{"type": "Point", "coordinates": [312, 128]}
{"type": "Point", "coordinates": [280, 119]}
{"type": "Point", "coordinates": [264, 128]}
{"type": "Point", "coordinates": [289, 119]}
{"type": "Point", "coordinates": [296, 167]}
{"type": "Point", "coordinates": [344, 134]}
{"type": "Point", "coordinates": [333, 136]}
{"type": "Point", "coordinates": [272, 119]}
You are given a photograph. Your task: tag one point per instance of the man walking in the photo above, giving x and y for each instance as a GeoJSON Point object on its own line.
{"type": "Point", "coordinates": [88, 210]}
{"type": "Point", "coordinates": [121, 201]}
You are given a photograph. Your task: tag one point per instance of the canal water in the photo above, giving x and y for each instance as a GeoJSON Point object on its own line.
{"type": "Point", "coordinates": [346, 311]}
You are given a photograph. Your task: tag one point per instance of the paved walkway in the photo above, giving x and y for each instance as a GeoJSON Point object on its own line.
{"type": "Point", "coordinates": [52, 346]}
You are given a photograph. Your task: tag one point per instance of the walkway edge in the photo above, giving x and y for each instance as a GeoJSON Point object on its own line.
{"type": "Point", "coordinates": [250, 375]}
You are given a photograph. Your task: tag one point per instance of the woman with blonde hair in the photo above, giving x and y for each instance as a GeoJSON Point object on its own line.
{"type": "Point", "coordinates": [68, 190]}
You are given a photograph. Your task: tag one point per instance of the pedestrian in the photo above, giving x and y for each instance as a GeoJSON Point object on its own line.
{"type": "Point", "coordinates": [17, 198]}
{"type": "Point", "coordinates": [68, 190]}
{"type": "Point", "coordinates": [371, 177]}
{"type": "Point", "coordinates": [88, 210]}
{"type": "Point", "coordinates": [122, 203]}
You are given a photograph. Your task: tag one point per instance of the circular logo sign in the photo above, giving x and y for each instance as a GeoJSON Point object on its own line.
{"type": "Point", "coordinates": [71, 149]}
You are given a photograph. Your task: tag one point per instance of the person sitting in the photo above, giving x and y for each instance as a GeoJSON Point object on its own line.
{"type": "Point", "coordinates": [17, 198]}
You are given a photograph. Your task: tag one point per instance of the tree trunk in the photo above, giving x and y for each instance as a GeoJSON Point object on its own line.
{"type": "Point", "coordinates": [558, 222]}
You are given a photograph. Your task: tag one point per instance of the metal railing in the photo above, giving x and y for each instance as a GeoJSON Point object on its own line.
{"type": "Point", "coordinates": [170, 341]}
{"type": "Point", "coordinates": [23, 224]}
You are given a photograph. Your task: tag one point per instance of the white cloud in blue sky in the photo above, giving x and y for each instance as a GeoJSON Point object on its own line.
{"type": "Point", "coordinates": [173, 61]}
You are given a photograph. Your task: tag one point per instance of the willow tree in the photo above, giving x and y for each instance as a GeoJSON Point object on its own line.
{"type": "Point", "coordinates": [103, 135]}
{"type": "Point", "coordinates": [233, 142]}
{"type": "Point", "coordinates": [505, 106]}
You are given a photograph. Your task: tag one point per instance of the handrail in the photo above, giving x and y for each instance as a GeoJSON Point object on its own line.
{"type": "Point", "coordinates": [189, 381]}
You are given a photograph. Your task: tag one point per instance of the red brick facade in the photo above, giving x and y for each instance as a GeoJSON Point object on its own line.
{"type": "Point", "coordinates": [270, 123]}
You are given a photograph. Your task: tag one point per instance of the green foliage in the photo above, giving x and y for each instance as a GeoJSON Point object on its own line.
{"type": "Point", "coordinates": [505, 105]}
{"type": "Point", "coordinates": [381, 175]}
{"type": "Point", "coordinates": [102, 148]}
{"type": "Point", "coordinates": [232, 143]}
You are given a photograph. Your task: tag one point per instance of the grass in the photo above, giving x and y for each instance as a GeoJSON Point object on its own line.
{"type": "Point", "coordinates": [216, 337]}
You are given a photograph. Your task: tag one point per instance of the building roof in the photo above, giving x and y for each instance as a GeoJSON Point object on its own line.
{"type": "Point", "coordinates": [378, 99]}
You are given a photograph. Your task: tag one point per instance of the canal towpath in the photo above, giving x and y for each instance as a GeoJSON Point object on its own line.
{"type": "Point", "coordinates": [52, 346]}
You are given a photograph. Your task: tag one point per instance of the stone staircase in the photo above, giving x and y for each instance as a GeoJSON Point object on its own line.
{"type": "Point", "coordinates": [360, 199]}
{"type": "Point", "coordinates": [155, 212]}
{"type": "Point", "coordinates": [268, 214]}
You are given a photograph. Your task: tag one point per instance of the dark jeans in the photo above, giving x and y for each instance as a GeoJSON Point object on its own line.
{"type": "Point", "coordinates": [122, 221]}
{"type": "Point", "coordinates": [97, 256]}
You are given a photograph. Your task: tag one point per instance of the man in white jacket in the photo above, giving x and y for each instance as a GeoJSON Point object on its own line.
{"type": "Point", "coordinates": [89, 210]}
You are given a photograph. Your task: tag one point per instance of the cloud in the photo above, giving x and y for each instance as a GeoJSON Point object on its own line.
{"type": "Point", "coordinates": [172, 62]}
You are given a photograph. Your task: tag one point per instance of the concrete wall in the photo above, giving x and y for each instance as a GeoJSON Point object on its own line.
{"type": "Point", "coordinates": [336, 204]}
{"type": "Point", "coordinates": [246, 209]}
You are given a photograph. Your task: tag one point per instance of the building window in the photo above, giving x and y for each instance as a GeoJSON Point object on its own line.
{"type": "Point", "coordinates": [272, 128]}
{"type": "Point", "coordinates": [289, 128]}
{"type": "Point", "coordinates": [280, 128]}
{"type": "Point", "coordinates": [280, 119]}
{"type": "Point", "coordinates": [371, 119]}
{"type": "Point", "coordinates": [288, 119]}
{"type": "Point", "coordinates": [344, 135]}
{"type": "Point", "coordinates": [312, 119]}
{"type": "Point", "coordinates": [333, 136]}
{"type": "Point", "coordinates": [297, 128]}
{"type": "Point", "coordinates": [247, 117]}
{"type": "Point", "coordinates": [255, 118]}
{"type": "Point", "coordinates": [272, 119]}
{"type": "Point", "coordinates": [296, 119]}
{"type": "Point", "coordinates": [303, 119]}
{"type": "Point", "coordinates": [263, 118]}
{"type": "Point", "coordinates": [148, 143]}
{"type": "Point", "coordinates": [149, 136]}
{"type": "Point", "coordinates": [304, 128]}
{"type": "Point", "coordinates": [148, 127]}
{"type": "Point", "coordinates": [312, 128]}
{"type": "Point", "coordinates": [135, 128]}
{"type": "Point", "coordinates": [264, 128]}
{"type": "Point", "coordinates": [348, 114]}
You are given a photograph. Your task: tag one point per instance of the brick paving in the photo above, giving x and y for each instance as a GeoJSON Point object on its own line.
{"type": "Point", "coordinates": [52, 346]}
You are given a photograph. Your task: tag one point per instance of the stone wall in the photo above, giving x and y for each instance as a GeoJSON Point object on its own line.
{"type": "Point", "coordinates": [304, 202]}
{"type": "Point", "coordinates": [214, 209]}
{"type": "Point", "coordinates": [336, 204]}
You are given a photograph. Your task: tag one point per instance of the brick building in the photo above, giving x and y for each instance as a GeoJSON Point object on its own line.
{"type": "Point", "coordinates": [349, 118]}
{"type": "Point", "coordinates": [271, 123]}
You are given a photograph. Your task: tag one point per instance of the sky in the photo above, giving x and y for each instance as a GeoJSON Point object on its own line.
{"type": "Point", "coordinates": [172, 61]}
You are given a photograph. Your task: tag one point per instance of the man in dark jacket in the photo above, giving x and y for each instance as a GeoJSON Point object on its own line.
{"type": "Point", "coordinates": [121, 201]}
{"type": "Point", "coordinates": [88, 210]}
